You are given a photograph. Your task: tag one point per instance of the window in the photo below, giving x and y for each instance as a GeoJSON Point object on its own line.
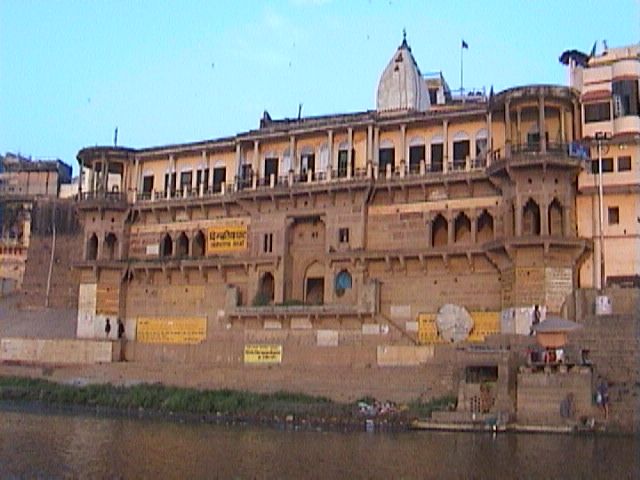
{"type": "Point", "coordinates": [342, 162]}
{"type": "Point", "coordinates": [147, 184]}
{"type": "Point", "coordinates": [270, 168]}
{"type": "Point", "coordinates": [246, 176]}
{"type": "Point", "coordinates": [343, 235]}
{"type": "Point", "coordinates": [624, 164]}
{"type": "Point", "coordinates": [597, 112]}
{"type": "Point", "coordinates": [607, 165]}
{"type": "Point", "coordinates": [437, 157]}
{"type": "Point", "coordinates": [219, 177]}
{"type": "Point", "coordinates": [614, 215]}
{"type": "Point", "coordinates": [185, 180]}
{"type": "Point", "coordinates": [416, 155]}
{"type": "Point", "coordinates": [267, 243]}
{"type": "Point", "coordinates": [307, 163]}
{"type": "Point", "coordinates": [626, 100]}
{"type": "Point", "coordinates": [386, 157]}
{"type": "Point", "coordinates": [461, 151]}
{"type": "Point", "coordinates": [343, 282]}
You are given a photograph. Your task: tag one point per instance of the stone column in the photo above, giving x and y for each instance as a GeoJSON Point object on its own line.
{"type": "Point", "coordinates": [544, 217]}
{"type": "Point", "coordinates": [403, 149]}
{"type": "Point", "coordinates": [172, 169]}
{"type": "Point", "coordinates": [105, 173]}
{"type": "Point", "coordinates": [349, 152]}
{"type": "Point", "coordinates": [330, 154]}
{"type": "Point", "coordinates": [445, 146]}
{"type": "Point", "coordinates": [541, 125]}
{"type": "Point", "coordinates": [369, 158]}
{"type": "Point", "coordinates": [451, 228]}
{"type": "Point", "coordinates": [293, 157]}
{"type": "Point", "coordinates": [136, 174]}
{"type": "Point", "coordinates": [238, 156]}
{"type": "Point", "coordinates": [507, 129]}
{"type": "Point", "coordinates": [376, 147]}
{"type": "Point", "coordinates": [576, 121]}
{"type": "Point", "coordinates": [519, 126]}
{"type": "Point", "coordinates": [518, 209]}
{"type": "Point", "coordinates": [474, 226]}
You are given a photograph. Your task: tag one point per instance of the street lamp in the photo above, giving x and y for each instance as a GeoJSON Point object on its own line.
{"type": "Point", "coordinates": [600, 137]}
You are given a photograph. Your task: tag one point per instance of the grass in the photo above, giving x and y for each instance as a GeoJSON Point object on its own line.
{"type": "Point", "coordinates": [188, 401]}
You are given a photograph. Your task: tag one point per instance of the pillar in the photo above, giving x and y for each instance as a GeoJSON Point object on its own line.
{"type": "Point", "coordinates": [349, 152]}
{"type": "Point", "coordinates": [563, 133]}
{"type": "Point", "coordinates": [376, 147]}
{"type": "Point", "coordinates": [507, 129]}
{"type": "Point", "coordinates": [489, 138]}
{"type": "Point", "coordinates": [403, 149]}
{"type": "Point", "coordinates": [445, 146]}
{"type": "Point", "coordinates": [544, 217]}
{"type": "Point", "coordinates": [292, 153]}
{"type": "Point", "coordinates": [330, 153]}
{"type": "Point", "coordinates": [518, 140]}
{"type": "Point", "coordinates": [541, 125]}
{"type": "Point", "coordinates": [80, 177]}
{"type": "Point", "coordinates": [369, 158]}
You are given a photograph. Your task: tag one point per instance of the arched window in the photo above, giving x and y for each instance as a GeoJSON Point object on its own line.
{"type": "Point", "coordinates": [462, 228]}
{"type": "Point", "coordinates": [92, 247]}
{"type": "Point", "coordinates": [198, 245]}
{"type": "Point", "coordinates": [182, 245]}
{"type": "Point", "coordinates": [439, 231]}
{"type": "Point", "coordinates": [166, 246]}
{"type": "Point", "coordinates": [531, 218]}
{"type": "Point", "coordinates": [110, 246]}
{"type": "Point", "coordinates": [485, 228]}
{"type": "Point", "coordinates": [343, 282]}
{"type": "Point", "coordinates": [436, 153]}
{"type": "Point", "coordinates": [556, 223]}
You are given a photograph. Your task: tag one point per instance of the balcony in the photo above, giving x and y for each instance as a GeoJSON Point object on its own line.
{"type": "Point", "coordinates": [557, 154]}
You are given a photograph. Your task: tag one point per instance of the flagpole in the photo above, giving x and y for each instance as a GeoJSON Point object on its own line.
{"type": "Point", "coordinates": [461, 69]}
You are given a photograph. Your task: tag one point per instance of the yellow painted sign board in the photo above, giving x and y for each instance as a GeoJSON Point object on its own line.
{"type": "Point", "coordinates": [262, 354]}
{"type": "Point", "coordinates": [229, 238]}
{"type": "Point", "coordinates": [176, 330]}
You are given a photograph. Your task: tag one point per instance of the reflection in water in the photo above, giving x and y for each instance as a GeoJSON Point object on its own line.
{"type": "Point", "coordinates": [59, 445]}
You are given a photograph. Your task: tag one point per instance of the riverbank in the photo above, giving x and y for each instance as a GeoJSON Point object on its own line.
{"type": "Point", "coordinates": [219, 406]}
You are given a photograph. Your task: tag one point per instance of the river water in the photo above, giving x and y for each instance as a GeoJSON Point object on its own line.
{"type": "Point", "coordinates": [59, 445]}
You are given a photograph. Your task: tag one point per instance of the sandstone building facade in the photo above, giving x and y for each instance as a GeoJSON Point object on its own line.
{"type": "Point", "coordinates": [367, 221]}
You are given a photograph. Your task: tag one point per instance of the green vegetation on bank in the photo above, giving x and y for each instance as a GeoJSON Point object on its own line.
{"type": "Point", "coordinates": [164, 399]}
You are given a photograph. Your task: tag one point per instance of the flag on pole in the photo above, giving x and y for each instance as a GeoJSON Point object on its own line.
{"type": "Point", "coordinates": [465, 45]}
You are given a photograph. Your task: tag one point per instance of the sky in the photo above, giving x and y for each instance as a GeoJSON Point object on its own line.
{"type": "Point", "coordinates": [166, 72]}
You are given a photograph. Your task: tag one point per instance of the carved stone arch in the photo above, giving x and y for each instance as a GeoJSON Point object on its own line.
{"type": "Point", "coordinates": [110, 246]}
{"type": "Point", "coordinates": [198, 244]}
{"type": "Point", "coordinates": [439, 231]}
{"type": "Point", "coordinates": [462, 228]}
{"type": "Point", "coordinates": [531, 218]}
{"type": "Point", "coordinates": [555, 218]}
{"type": "Point", "coordinates": [182, 245]}
{"type": "Point", "coordinates": [314, 283]}
{"type": "Point", "coordinates": [166, 246]}
{"type": "Point", "coordinates": [485, 231]}
{"type": "Point", "coordinates": [92, 247]}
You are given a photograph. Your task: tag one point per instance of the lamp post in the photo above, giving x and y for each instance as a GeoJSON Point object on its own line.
{"type": "Point", "coordinates": [600, 137]}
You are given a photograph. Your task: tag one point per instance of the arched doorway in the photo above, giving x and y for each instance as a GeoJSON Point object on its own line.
{"type": "Point", "coordinates": [110, 246]}
{"type": "Point", "coordinates": [166, 246]}
{"type": "Point", "coordinates": [485, 227]}
{"type": "Point", "coordinates": [197, 245]}
{"type": "Point", "coordinates": [92, 247]}
{"type": "Point", "coordinates": [556, 224]}
{"type": "Point", "coordinates": [182, 245]}
{"type": "Point", "coordinates": [314, 284]}
{"type": "Point", "coordinates": [439, 232]}
{"type": "Point", "coordinates": [266, 290]}
{"type": "Point", "coordinates": [531, 218]}
{"type": "Point", "coordinates": [462, 229]}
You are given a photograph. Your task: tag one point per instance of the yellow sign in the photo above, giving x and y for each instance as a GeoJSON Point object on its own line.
{"type": "Point", "coordinates": [228, 238]}
{"type": "Point", "coordinates": [263, 354]}
{"type": "Point", "coordinates": [427, 329]}
{"type": "Point", "coordinates": [181, 330]}
{"type": "Point", "coordinates": [484, 324]}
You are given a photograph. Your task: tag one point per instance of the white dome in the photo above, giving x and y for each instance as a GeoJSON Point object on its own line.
{"type": "Point", "coordinates": [401, 85]}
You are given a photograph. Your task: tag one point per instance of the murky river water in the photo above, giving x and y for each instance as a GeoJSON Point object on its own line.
{"type": "Point", "coordinates": [54, 445]}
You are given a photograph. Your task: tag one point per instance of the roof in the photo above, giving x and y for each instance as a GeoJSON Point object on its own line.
{"type": "Point", "coordinates": [556, 325]}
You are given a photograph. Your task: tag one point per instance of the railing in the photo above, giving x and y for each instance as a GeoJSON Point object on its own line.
{"type": "Point", "coordinates": [292, 179]}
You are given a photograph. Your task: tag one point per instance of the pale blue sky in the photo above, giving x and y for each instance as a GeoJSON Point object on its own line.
{"type": "Point", "coordinates": [180, 71]}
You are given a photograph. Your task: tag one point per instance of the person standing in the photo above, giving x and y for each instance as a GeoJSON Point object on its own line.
{"type": "Point", "coordinates": [120, 330]}
{"type": "Point", "coordinates": [107, 327]}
